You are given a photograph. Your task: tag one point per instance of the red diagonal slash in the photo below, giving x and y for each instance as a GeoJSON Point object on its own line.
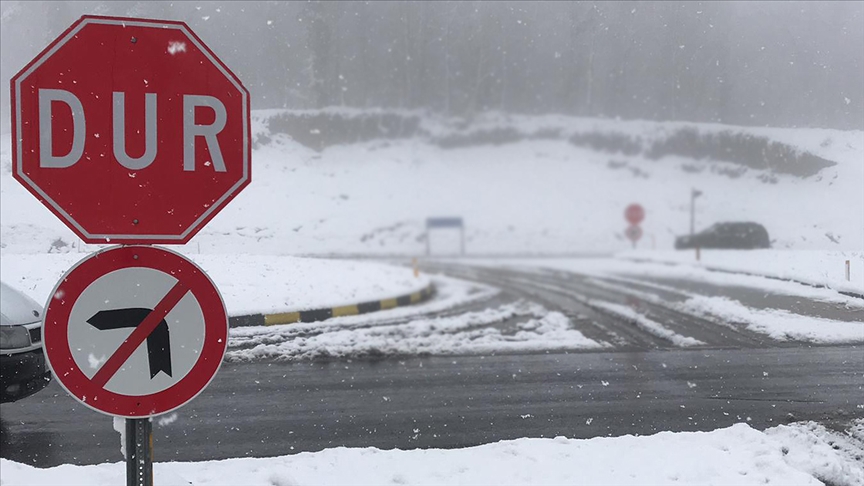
{"type": "Point", "coordinates": [109, 369]}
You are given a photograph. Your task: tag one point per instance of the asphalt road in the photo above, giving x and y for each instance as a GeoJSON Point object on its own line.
{"type": "Point", "coordinates": [645, 385]}
{"type": "Point", "coordinates": [266, 409]}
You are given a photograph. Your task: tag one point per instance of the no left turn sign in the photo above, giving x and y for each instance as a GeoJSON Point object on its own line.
{"type": "Point", "coordinates": [135, 331]}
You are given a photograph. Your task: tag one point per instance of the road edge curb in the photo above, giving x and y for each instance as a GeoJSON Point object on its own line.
{"type": "Point", "coordinates": [316, 315]}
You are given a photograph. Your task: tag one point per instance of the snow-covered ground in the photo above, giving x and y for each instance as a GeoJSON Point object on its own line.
{"type": "Point", "coordinates": [249, 284]}
{"type": "Point", "coordinates": [827, 268]}
{"type": "Point", "coordinates": [531, 197]}
{"type": "Point", "coordinates": [534, 196]}
{"type": "Point", "coordinates": [538, 197]}
{"type": "Point", "coordinates": [797, 454]}
{"type": "Point", "coordinates": [475, 332]}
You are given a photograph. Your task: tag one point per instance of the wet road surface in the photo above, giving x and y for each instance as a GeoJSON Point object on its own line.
{"type": "Point", "coordinates": [265, 409]}
{"type": "Point", "coordinates": [644, 385]}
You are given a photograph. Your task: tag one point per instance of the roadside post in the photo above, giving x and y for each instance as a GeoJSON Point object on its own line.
{"type": "Point", "coordinates": [133, 132]}
{"type": "Point", "coordinates": [139, 451]}
{"type": "Point", "coordinates": [694, 193]}
{"type": "Point", "coordinates": [634, 214]}
{"type": "Point", "coordinates": [848, 270]}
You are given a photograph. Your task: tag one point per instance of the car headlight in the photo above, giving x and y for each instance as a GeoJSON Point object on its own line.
{"type": "Point", "coordinates": [14, 337]}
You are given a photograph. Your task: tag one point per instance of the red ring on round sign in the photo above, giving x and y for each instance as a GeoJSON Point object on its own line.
{"type": "Point", "coordinates": [634, 214]}
{"type": "Point", "coordinates": [78, 278]}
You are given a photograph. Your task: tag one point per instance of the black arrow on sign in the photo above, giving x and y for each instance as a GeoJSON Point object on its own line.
{"type": "Point", "coordinates": [158, 342]}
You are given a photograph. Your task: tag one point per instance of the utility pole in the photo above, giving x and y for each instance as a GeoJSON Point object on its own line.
{"type": "Point", "coordinates": [694, 193]}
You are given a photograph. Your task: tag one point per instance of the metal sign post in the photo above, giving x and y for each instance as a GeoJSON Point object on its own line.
{"type": "Point", "coordinates": [139, 452]}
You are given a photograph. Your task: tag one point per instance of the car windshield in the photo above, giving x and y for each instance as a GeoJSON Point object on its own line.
{"type": "Point", "coordinates": [432, 242]}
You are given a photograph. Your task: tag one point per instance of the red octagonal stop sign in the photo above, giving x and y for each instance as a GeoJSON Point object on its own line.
{"type": "Point", "coordinates": [130, 131]}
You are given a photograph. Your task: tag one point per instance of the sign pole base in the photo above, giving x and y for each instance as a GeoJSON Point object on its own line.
{"type": "Point", "coordinates": [139, 452]}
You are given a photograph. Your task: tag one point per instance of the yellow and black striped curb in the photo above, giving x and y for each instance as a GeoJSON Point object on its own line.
{"type": "Point", "coordinates": [326, 313]}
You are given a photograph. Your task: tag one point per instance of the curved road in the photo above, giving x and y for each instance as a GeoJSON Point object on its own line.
{"type": "Point", "coordinates": [644, 385]}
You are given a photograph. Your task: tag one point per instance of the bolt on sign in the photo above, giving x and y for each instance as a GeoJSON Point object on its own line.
{"type": "Point", "coordinates": [130, 131]}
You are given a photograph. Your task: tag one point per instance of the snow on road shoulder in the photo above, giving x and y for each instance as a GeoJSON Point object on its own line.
{"type": "Point", "coordinates": [269, 284]}
{"type": "Point", "coordinates": [249, 284]}
{"type": "Point", "coordinates": [797, 454]}
{"type": "Point", "coordinates": [510, 327]}
{"type": "Point", "coordinates": [826, 268]}
{"type": "Point", "coordinates": [778, 324]}
{"type": "Point", "coordinates": [449, 293]}
{"type": "Point", "coordinates": [620, 267]}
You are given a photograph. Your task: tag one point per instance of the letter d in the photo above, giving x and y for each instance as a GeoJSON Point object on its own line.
{"type": "Point", "coordinates": [46, 135]}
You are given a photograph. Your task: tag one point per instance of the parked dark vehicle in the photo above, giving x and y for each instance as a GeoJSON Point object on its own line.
{"type": "Point", "coordinates": [23, 369]}
{"type": "Point", "coordinates": [731, 236]}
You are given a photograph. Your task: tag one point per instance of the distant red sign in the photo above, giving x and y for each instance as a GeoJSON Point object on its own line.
{"type": "Point", "coordinates": [130, 131]}
{"type": "Point", "coordinates": [634, 214]}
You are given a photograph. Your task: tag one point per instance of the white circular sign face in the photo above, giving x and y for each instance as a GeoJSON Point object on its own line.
{"type": "Point", "coordinates": [135, 288]}
{"type": "Point", "coordinates": [135, 331]}
{"type": "Point", "coordinates": [633, 233]}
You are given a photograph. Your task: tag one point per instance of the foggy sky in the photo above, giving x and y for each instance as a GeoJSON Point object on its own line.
{"type": "Point", "coordinates": [742, 63]}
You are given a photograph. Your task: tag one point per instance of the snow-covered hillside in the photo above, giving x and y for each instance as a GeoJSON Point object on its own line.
{"type": "Point", "coordinates": [550, 186]}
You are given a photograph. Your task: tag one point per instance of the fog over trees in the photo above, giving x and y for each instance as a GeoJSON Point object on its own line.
{"type": "Point", "coordinates": [744, 63]}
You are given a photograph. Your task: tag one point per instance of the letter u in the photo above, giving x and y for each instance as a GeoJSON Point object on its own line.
{"type": "Point", "coordinates": [120, 132]}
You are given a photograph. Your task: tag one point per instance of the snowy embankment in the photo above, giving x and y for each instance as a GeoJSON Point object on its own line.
{"type": "Point", "coordinates": [249, 284]}
{"type": "Point", "coordinates": [819, 268]}
{"type": "Point", "coordinates": [796, 454]}
{"type": "Point", "coordinates": [525, 193]}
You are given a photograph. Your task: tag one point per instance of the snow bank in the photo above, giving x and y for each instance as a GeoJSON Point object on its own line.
{"type": "Point", "coordinates": [249, 283]}
{"type": "Point", "coordinates": [825, 268]}
{"type": "Point", "coordinates": [536, 196]}
{"type": "Point", "coordinates": [776, 323]}
{"type": "Point", "coordinates": [798, 454]}
{"type": "Point", "coordinates": [830, 456]}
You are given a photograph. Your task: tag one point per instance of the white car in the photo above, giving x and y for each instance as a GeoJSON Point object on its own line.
{"type": "Point", "coordinates": [23, 370]}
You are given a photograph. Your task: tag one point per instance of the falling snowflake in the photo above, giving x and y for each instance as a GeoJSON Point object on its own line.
{"type": "Point", "coordinates": [175, 46]}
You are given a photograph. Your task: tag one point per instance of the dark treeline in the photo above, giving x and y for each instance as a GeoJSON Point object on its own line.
{"type": "Point", "coordinates": [746, 63]}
